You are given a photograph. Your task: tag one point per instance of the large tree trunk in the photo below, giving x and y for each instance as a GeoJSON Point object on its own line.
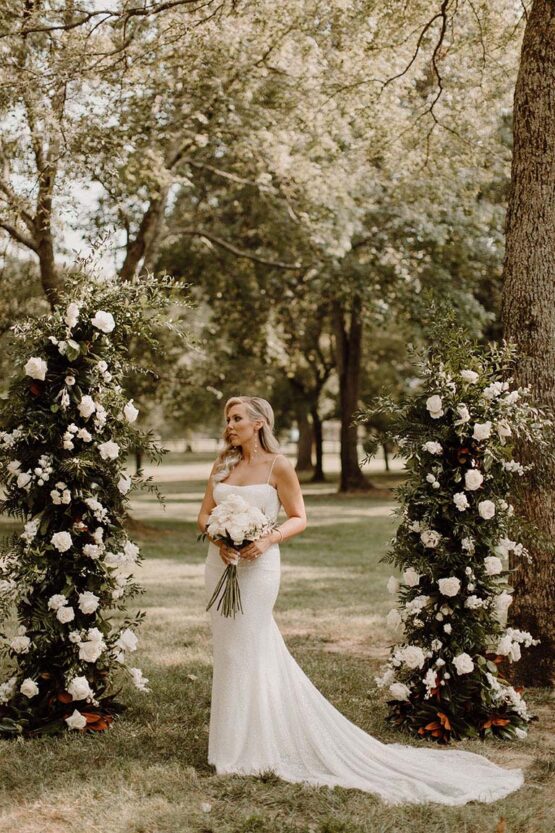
{"type": "Point", "coordinates": [318, 476]}
{"type": "Point", "coordinates": [304, 445]}
{"type": "Point", "coordinates": [529, 315]}
{"type": "Point", "coordinates": [348, 345]}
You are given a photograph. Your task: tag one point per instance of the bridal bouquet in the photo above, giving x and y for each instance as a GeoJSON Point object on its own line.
{"type": "Point", "coordinates": [236, 523]}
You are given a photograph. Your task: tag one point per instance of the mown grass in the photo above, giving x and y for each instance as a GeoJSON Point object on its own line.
{"type": "Point", "coordinates": [149, 774]}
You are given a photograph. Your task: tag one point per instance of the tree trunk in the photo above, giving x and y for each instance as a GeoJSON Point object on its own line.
{"type": "Point", "coordinates": [529, 317]}
{"type": "Point", "coordinates": [348, 345]}
{"type": "Point", "coordinates": [386, 456]}
{"type": "Point", "coordinates": [318, 476]}
{"type": "Point", "coordinates": [146, 237]}
{"type": "Point", "coordinates": [304, 445]}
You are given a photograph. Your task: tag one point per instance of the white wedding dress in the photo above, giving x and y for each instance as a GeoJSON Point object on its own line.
{"type": "Point", "coordinates": [267, 715]}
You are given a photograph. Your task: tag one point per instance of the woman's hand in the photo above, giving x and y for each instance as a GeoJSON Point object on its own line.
{"type": "Point", "coordinates": [227, 554]}
{"type": "Point", "coordinates": [256, 549]}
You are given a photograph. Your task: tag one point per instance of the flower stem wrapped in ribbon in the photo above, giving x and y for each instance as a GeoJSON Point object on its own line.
{"type": "Point", "coordinates": [237, 524]}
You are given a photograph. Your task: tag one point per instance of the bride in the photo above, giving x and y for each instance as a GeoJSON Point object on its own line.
{"type": "Point", "coordinates": [265, 712]}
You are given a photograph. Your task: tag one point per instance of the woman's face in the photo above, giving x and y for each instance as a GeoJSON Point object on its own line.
{"type": "Point", "coordinates": [239, 428]}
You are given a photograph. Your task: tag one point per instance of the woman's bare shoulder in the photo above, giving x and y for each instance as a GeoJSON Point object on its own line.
{"type": "Point", "coordinates": [282, 465]}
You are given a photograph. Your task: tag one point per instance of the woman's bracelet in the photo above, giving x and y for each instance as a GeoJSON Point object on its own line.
{"type": "Point", "coordinates": [278, 530]}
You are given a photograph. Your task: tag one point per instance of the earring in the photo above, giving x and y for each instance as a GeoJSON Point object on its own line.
{"type": "Point", "coordinates": [256, 443]}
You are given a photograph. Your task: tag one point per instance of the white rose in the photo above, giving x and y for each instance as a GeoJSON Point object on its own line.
{"type": "Point", "coordinates": [482, 430]}
{"type": "Point", "coordinates": [88, 602]}
{"type": "Point", "coordinates": [76, 720]}
{"type": "Point", "coordinates": [461, 501]}
{"type": "Point", "coordinates": [392, 585]}
{"type": "Point", "coordinates": [29, 688]}
{"type": "Point", "coordinates": [434, 406]}
{"type": "Point", "coordinates": [140, 681]}
{"type": "Point", "coordinates": [95, 635]}
{"type": "Point", "coordinates": [399, 691]}
{"type": "Point", "coordinates": [127, 640]}
{"type": "Point", "coordinates": [65, 614]}
{"type": "Point", "coordinates": [57, 601]}
{"type": "Point", "coordinates": [74, 636]}
{"type": "Point", "coordinates": [449, 586]}
{"type": "Point", "coordinates": [130, 412]}
{"type": "Point", "coordinates": [493, 565]}
{"type": "Point", "coordinates": [413, 656]}
{"type": "Point", "coordinates": [20, 644]}
{"type": "Point", "coordinates": [124, 484]}
{"type": "Point", "coordinates": [72, 315]}
{"type": "Point", "coordinates": [464, 415]}
{"type": "Point", "coordinates": [23, 480]}
{"type": "Point", "coordinates": [80, 689]}
{"type": "Point", "coordinates": [36, 368]}
{"type": "Point", "coordinates": [469, 376]}
{"type": "Point", "coordinates": [87, 406]}
{"type": "Point", "coordinates": [473, 479]}
{"type": "Point", "coordinates": [430, 538]}
{"type": "Point", "coordinates": [463, 663]}
{"type": "Point", "coordinates": [410, 577]}
{"type": "Point", "coordinates": [90, 650]}
{"type": "Point", "coordinates": [432, 447]}
{"type": "Point", "coordinates": [62, 541]}
{"type": "Point", "coordinates": [393, 618]}
{"type": "Point", "coordinates": [84, 435]}
{"type": "Point", "coordinates": [108, 450]}
{"type": "Point", "coordinates": [13, 466]}
{"type": "Point", "coordinates": [486, 509]}
{"type": "Point", "coordinates": [103, 321]}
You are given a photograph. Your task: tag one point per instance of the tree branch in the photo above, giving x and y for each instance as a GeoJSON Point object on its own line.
{"type": "Point", "coordinates": [224, 244]}
{"type": "Point", "coordinates": [18, 236]}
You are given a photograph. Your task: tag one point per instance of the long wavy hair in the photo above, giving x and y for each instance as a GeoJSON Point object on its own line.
{"type": "Point", "coordinates": [257, 408]}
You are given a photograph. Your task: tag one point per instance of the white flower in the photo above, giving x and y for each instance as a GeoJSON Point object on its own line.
{"type": "Point", "coordinates": [514, 653]}
{"type": "Point", "coordinates": [463, 663]}
{"type": "Point", "coordinates": [431, 478]}
{"type": "Point", "coordinates": [521, 734]}
{"type": "Point", "coordinates": [29, 688]}
{"type": "Point", "coordinates": [87, 406]}
{"type": "Point", "coordinates": [430, 538]}
{"type": "Point", "coordinates": [7, 690]}
{"type": "Point", "coordinates": [399, 691]}
{"type": "Point", "coordinates": [436, 644]}
{"type": "Point", "coordinates": [434, 406]}
{"type": "Point", "coordinates": [463, 413]}
{"type": "Point", "coordinates": [432, 447]}
{"type": "Point", "coordinates": [504, 645]}
{"type": "Point", "coordinates": [103, 321]}
{"type": "Point", "coordinates": [76, 720]}
{"type": "Point", "coordinates": [88, 602]}
{"type": "Point", "coordinates": [512, 397]}
{"type": "Point", "coordinates": [413, 656]}
{"type": "Point", "coordinates": [127, 640]}
{"type": "Point", "coordinates": [473, 479]}
{"type": "Point", "coordinates": [493, 565]}
{"type": "Point", "coordinates": [62, 541]}
{"type": "Point", "coordinates": [84, 435]}
{"type": "Point", "coordinates": [410, 577]}
{"type": "Point", "coordinates": [387, 678]}
{"type": "Point", "coordinates": [482, 430]}
{"type": "Point", "coordinates": [124, 484]}
{"type": "Point", "coordinates": [108, 450]}
{"type": "Point", "coordinates": [449, 586]}
{"type": "Point", "coordinates": [74, 636]}
{"type": "Point", "coordinates": [72, 315]}
{"type": "Point", "coordinates": [469, 376]}
{"type": "Point", "coordinates": [430, 680]}
{"type": "Point", "coordinates": [57, 601]}
{"type": "Point", "coordinates": [36, 368]}
{"type": "Point", "coordinates": [473, 602]}
{"type": "Point", "coordinates": [30, 530]}
{"type": "Point", "coordinates": [468, 545]}
{"type": "Point", "coordinates": [486, 509]}
{"type": "Point", "coordinates": [392, 585]}
{"type": "Point", "coordinates": [393, 618]}
{"type": "Point", "coordinates": [13, 466]}
{"type": "Point", "coordinates": [502, 603]}
{"type": "Point", "coordinates": [20, 644]}
{"type": "Point", "coordinates": [503, 429]}
{"type": "Point", "coordinates": [65, 614]}
{"type": "Point", "coordinates": [493, 390]}
{"type": "Point", "coordinates": [70, 381]}
{"type": "Point", "coordinates": [447, 628]}
{"type": "Point", "coordinates": [415, 526]}
{"type": "Point", "coordinates": [24, 480]}
{"type": "Point", "coordinates": [92, 551]}
{"type": "Point", "coordinates": [461, 501]}
{"type": "Point", "coordinates": [130, 412]}
{"type": "Point", "coordinates": [80, 689]}
{"type": "Point", "coordinates": [131, 550]}
{"type": "Point", "coordinates": [91, 649]}
{"type": "Point", "coordinates": [139, 680]}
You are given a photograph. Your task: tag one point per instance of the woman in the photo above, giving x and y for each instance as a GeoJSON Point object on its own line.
{"type": "Point", "coordinates": [265, 712]}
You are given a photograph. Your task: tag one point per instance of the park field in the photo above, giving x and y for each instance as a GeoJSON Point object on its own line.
{"type": "Point", "coordinates": [149, 773]}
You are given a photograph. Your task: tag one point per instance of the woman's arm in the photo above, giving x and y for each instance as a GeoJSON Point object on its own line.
{"type": "Point", "coordinates": [208, 503]}
{"type": "Point", "coordinates": [291, 497]}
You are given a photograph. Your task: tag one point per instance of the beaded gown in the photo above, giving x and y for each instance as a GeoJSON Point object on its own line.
{"type": "Point", "coordinates": [267, 715]}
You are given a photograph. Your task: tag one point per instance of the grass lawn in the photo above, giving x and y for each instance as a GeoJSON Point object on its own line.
{"type": "Point", "coordinates": [149, 774]}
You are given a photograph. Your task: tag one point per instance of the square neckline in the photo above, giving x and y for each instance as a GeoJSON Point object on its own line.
{"type": "Point", "coordinates": [245, 485]}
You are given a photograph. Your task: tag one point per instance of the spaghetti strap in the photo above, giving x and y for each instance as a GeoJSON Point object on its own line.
{"type": "Point", "coordinates": [272, 467]}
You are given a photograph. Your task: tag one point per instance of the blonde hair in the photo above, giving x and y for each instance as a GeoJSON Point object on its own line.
{"type": "Point", "coordinates": [257, 408]}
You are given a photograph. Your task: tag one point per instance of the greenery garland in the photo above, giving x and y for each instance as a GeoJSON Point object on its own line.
{"type": "Point", "coordinates": [458, 431]}
{"type": "Point", "coordinates": [67, 428]}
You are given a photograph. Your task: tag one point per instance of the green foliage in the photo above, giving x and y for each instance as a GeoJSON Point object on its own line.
{"type": "Point", "coordinates": [67, 427]}
{"type": "Point", "coordinates": [458, 431]}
